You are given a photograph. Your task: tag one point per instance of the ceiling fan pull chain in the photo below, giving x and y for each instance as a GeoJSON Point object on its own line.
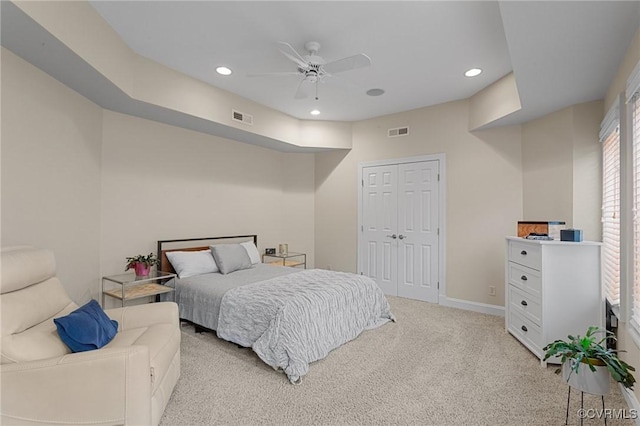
{"type": "Point", "coordinates": [317, 88]}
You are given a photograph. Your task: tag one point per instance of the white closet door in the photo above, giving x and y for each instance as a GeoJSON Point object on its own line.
{"type": "Point", "coordinates": [418, 230]}
{"type": "Point", "coordinates": [400, 236]}
{"type": "Point", "coordinates": [380, 218]}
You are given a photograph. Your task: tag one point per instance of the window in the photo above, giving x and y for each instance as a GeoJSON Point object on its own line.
{"type": "Point", "coordinates": [633, 101]}
{"type": "Point", "coordinates": [610, 138]}
{"type": "Point", "coordinates": [635, 138]}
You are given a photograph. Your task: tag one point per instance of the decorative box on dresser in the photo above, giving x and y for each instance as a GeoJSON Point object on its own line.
{"type": "Point", "coordinates": [553, 289]}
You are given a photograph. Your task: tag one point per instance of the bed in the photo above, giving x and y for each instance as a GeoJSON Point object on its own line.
{"type": "Point", "coordinates": [289, 317]}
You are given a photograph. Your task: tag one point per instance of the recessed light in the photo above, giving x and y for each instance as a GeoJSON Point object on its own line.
{"type": "Point", "coordinates": [473, 72]}
{"type": "Point", "coordinates": [375, 92]}
{"type": "Point", "coordinates": [315, 112]}
{"type": "Point", "coordinates": [223, 71]}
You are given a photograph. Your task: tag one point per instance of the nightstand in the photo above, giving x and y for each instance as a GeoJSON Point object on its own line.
{"type": "Point", "coordinates": [290, 259]}
{"type": "Point", "coordinates": [131, 287]}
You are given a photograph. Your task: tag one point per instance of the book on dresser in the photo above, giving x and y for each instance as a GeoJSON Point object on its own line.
{"type": "Point", "coordinates": [552, 289]}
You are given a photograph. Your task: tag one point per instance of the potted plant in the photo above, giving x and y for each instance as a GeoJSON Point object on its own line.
{"type": "Point", "coordinates": [587, 363]}
{"type": "Point", "coordinates": [142, 264]}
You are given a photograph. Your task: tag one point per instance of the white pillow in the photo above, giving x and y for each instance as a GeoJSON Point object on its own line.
{"type": "Point", "coordinates": [252, 251]}
{"type": "Point", "coordinates": [190, 263]}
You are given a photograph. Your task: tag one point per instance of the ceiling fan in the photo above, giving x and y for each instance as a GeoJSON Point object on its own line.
{"type": "Point", "coordinates": [313, 68]}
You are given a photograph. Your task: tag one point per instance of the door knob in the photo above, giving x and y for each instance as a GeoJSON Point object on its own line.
{"type": "Point", "coordinates": [402, 237]}
{"type": "Point", "coordinates": [392, 236]}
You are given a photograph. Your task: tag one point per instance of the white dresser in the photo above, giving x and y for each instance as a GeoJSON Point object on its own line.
{"type": "Point", "coordinates": [552, 290]}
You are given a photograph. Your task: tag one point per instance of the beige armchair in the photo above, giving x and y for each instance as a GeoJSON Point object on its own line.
{"type": "Point", "coordinates": [128, 381]}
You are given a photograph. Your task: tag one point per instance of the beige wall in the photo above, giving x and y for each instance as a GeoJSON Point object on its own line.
{"type": "Point", "coordinates": [80, 27]}
{"type": "Point", "coordinates": [483, 193]}
{"type": "Point", "coordinates": [547, 174]}
{"type": "Point", "coordinates": [587, 169]}
{"type": "Point", "coordinates": [619, 83]}
{"type": "Point", "coordinates": [561, 168]}
{"type": "Point", "coordinates": [495, 101]}
{"type": "Point", "coordinates": [164, 182]}
{"type": "Point", "coordinates": [96, 186]}
{"type": "Point", "coordinates": [51, 168]}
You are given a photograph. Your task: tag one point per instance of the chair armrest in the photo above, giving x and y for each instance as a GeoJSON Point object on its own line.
{"type": "Point", "coordinates": [145, 315]}
{"type": "Point", "coordinates": [104, 386]}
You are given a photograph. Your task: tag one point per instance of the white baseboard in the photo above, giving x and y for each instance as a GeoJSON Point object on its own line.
{"type": "Point", "coordinates": [632, 402]}
{"type": "Point", "coordinates": [473, 306]}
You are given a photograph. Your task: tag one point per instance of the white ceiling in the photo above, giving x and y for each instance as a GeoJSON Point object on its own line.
{"type": "Point", "coordinates": [561, 53]}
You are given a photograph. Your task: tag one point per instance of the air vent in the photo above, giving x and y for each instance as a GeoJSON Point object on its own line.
{"type": "Point", "coordinates": [241, 117]}
{"type": "Point", "coordinates": [398, 131]}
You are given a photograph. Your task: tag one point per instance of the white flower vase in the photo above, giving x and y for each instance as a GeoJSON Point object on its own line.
{"type": "Point", "coordinates": [593, 382]}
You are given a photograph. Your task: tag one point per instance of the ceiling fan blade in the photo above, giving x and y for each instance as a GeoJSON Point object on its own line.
{"type": "Point", "coordinates": [303, 89]}
{"type": "Point", "coordinates": [295, 57]}
{"type": "Point", "coordinates": [276, 74]}
{"type": "Point", "coordinates": [349, 63]}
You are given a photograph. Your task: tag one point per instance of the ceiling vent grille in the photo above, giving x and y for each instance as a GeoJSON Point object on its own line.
{"type": "Point", "coordinates": [241, 117]}
{"type": "Point", "coordinates": [398, 131]}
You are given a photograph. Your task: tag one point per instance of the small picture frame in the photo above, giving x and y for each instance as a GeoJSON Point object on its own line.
{"type": "Point", "coordinates": [270, 251]}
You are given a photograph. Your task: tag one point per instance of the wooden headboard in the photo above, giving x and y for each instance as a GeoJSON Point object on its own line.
{"type": "Point", "coordinates": [194, 244]}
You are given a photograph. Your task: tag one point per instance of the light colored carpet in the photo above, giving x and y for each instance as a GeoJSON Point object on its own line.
{"type": "Point", "coordinates": [435, 365]}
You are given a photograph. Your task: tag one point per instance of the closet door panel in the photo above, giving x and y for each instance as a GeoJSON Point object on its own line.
{"type": "Point", "coordinates": [418, 230]}
{"type": "Point", "coordinates": [380, 218]}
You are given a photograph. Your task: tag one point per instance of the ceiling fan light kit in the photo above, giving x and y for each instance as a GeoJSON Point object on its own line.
{"type": "Point", "coordinates": [313, 68]}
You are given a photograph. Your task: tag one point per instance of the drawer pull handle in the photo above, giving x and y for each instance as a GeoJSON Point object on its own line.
{"type": "Point", "coordinates": [523, 303]}
{"type": "Point", "coordinates": [523, 252]}
{"type": "Point", "coordinates": [524, 278]}
{"type": "Point", "coordinates": [524, 328]}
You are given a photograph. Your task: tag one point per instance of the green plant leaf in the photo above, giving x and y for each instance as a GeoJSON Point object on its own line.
{"type": "Point", "coordinates": [579, 349]}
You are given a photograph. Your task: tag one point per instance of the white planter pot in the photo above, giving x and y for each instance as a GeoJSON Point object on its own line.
{"type": "Point", "coordinates": [594, 382]}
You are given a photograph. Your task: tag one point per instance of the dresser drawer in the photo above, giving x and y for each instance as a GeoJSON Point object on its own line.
{"type": "Point", "coordinates": [525, 304]}
{"type": "Point", "coordinates": [526, 279]}
{"type": "Point", "coordinates": [526, 331]}
{"type": "Point", "coordinates": [525, 254]}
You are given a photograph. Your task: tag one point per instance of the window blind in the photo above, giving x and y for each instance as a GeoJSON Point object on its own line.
{"type": "Point", "coordinates": [611, 215]}
{"type": "Point", "coordinates": [635, 138]}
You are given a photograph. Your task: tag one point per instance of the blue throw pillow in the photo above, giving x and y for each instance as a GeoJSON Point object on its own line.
{"type": "Point", "coordinates": [87, 328]}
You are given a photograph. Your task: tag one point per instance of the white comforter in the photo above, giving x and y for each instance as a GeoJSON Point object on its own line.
{"type": "Point", "coordinates": [296, 319]}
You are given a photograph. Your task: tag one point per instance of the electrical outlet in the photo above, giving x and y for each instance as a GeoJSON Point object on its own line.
{"type": "Point", "coordinates": [492, 290]}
